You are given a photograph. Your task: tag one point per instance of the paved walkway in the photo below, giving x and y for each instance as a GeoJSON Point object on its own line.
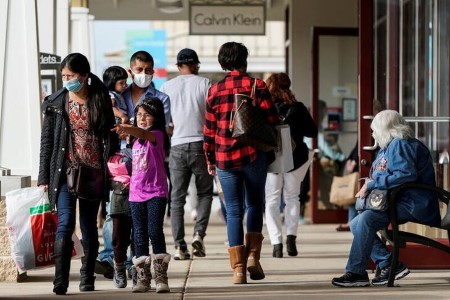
{"type": "Point", "coordinates": [322, 255]}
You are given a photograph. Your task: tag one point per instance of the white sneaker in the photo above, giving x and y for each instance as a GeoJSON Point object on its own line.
{"type": "Point", "coordinates": [181, 254]}
{"type": "Point", "coordinates": [302, 221]}
{"type": "Point", "coordinates": [198, 245]}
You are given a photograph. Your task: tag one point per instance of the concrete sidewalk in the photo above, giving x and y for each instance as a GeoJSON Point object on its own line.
{"type": "Point", "coordinates": [322, 256]}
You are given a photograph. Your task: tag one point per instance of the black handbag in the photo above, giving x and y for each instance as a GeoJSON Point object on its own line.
{"type": "Point", "coordinates": [249, 126]}
{"type": "Point", "coordinates": [120, 206]}
{"type": "Point", "coordinates": [85, 182]}
{"type": "Point", "coordinates": [376, 200]}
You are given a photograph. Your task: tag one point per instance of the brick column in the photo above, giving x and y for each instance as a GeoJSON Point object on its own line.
{"type": "Point", "coordinates": [8, 270]}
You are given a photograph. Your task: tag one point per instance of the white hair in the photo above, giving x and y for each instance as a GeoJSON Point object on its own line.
{"type": "Point", "coordinates": [389, 124]}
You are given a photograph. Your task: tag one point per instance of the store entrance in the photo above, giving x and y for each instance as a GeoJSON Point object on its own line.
{"type": "Point", "coordinates": [334, 108]}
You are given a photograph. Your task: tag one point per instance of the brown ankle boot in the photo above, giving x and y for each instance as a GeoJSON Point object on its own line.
{"type": "Point", "coordinates": [253, 242]}
{"type": "Point", "coordinates": [237, 262]}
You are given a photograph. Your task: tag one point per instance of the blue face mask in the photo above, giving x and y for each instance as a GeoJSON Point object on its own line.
{"type": "Point", "coordinates": [73, 85]}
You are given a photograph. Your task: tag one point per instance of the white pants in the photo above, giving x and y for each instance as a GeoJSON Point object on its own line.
{"type": "Point", "coordinates": [288, 185]}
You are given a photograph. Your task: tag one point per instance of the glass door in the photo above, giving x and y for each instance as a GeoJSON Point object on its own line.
{"type": "Point", "coordinates": [334, 108]}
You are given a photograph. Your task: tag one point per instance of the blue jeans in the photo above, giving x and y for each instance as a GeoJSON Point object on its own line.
{"type": "Point", "coordinates": [223, 210]}
{"type": "Point", "coordinates": [66, 206]}
{"type": "Point", "coordinates": [244, 186]}
{"type": "Point", "coordinates": [186, 160]}
{"type": "Point", "coordinates": [352, 212]}
{"type": "Point", "coordinates": [366, 243]}
{"type": "Point", "coordinates": [107, 254]}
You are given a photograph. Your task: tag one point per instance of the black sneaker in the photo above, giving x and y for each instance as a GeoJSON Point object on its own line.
{"type": "Point", "coordinates": [351, 279]}
{"type": "Point", "coordinates": [104, 268]}
{"type": "Point", "coordinates": [277, 250]}
{"type": "Point", "coordinates": [291, 245]}
{"type": "Point", "coordinates": [383, 278]}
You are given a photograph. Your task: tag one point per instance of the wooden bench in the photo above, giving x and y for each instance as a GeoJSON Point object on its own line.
{"type": "Point", "coordinates": [400, 239]}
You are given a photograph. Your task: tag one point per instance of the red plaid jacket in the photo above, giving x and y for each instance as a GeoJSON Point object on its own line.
{"type": "Point", "coordinates": [220, 148]}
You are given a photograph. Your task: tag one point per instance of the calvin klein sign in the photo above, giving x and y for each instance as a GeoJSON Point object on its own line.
{"type": "Point", "coordinates": [227, 19]}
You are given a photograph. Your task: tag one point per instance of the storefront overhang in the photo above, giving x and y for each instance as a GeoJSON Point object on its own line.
{"type": "Point", "coordinates": [157, 10]}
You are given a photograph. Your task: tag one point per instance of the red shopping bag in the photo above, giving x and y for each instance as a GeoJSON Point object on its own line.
{"type": "Point", "coordinates": [43, 228]}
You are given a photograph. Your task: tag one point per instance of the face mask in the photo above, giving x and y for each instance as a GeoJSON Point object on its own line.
{"type": "Point", "coordinates": [142, 80]}
{"type": "Point", "coordinates": [73, 85]}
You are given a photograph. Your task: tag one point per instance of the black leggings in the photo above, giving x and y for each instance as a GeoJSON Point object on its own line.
{"type": "Point", "coordinates": [148, 223]}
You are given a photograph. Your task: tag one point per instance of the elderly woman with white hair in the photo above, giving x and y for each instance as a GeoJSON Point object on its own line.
{"type": "Point", "coordinates": [401, 158]}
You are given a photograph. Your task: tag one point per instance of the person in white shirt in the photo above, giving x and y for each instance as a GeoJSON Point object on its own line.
{"type": "Point", "coordinates": [188, 92]}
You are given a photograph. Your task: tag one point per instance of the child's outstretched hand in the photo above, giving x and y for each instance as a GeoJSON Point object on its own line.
{"type": "Point", "coordinates": [121, 130]}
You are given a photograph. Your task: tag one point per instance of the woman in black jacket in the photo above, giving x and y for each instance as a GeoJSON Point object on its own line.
{"type": "Point", "coordinates": [76, 129]}
{"type": "Point", "coordinates": [287, 185]}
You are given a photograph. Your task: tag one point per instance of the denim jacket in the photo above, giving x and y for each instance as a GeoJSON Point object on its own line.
{"type": "Point", "coordinates": [407, 160]}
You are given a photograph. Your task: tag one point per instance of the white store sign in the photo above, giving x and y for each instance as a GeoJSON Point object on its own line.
{"type": "Point", "coordinates": [227, 19]}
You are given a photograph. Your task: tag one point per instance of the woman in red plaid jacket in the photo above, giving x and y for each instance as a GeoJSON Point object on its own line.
{"type": "Point", "coordinates": [241, 169]}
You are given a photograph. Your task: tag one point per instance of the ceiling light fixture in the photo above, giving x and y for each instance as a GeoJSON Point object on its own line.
{"type": "Point", "coordinates": [169, 6]}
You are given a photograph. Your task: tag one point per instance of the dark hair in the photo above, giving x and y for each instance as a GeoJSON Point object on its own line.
{"type": "Point", "coordinates": [112, 75]}
{"type": "Point", "coordinates": [77, 63]}
{"type": "Point", "coordinates": [233, 56]}
{"type": "Point", "coordinates": [279, 86]}
{"type": "Point", "coordinates": [154, 106]}
{"type": "Point", "coordinates": [142, 56]}
{"type": "Point", "coordinates": [99, 102]}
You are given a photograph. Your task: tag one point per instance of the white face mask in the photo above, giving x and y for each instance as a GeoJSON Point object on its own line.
{"type": "Point", "coordinates": [142, 80]}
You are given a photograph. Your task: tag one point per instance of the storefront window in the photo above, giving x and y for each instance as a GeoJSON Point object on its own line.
{"type": "Point", "coordinates": [416, 32]}
{"type": "Point", "coordinates": [442, 63]}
